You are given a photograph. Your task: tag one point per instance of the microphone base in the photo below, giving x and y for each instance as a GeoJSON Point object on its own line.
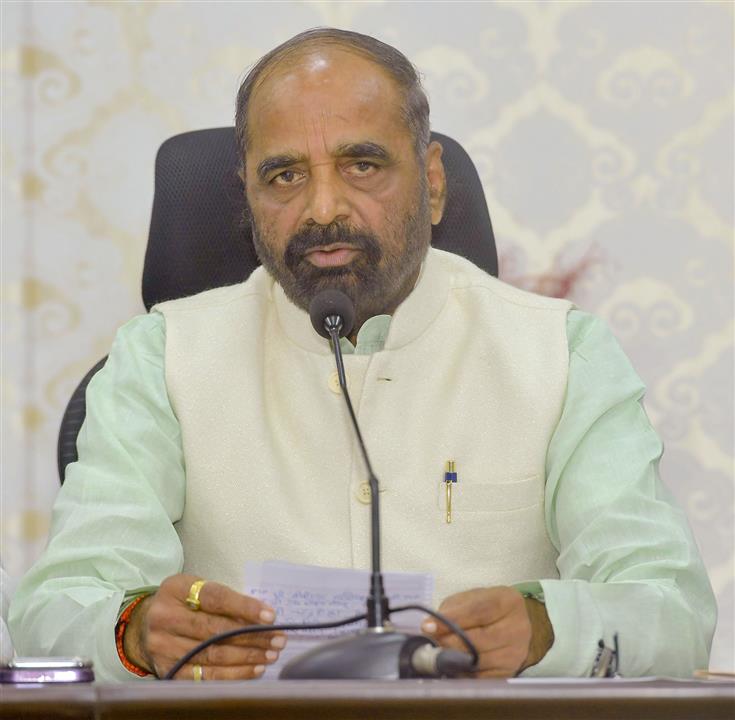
{"type": "Point", "coordinates": [369, 655]}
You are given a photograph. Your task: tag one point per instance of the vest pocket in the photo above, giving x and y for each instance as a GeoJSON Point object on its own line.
{"type": "Point", "coordinates": [469, 497]}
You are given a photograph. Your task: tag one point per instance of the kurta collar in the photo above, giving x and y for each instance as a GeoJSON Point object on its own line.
{"type": "Point", "coordinates": [370, 338]}
{"type": "Point", "coordinates": [411, 319]}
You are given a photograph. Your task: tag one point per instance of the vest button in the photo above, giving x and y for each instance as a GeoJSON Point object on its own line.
{"type": "Point", "coordinates": [363, 493]}
{"type": "Point", "coordinates": [333, 382]}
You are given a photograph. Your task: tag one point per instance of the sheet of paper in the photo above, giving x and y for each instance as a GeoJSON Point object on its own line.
{"type": "Point", "coordinates": [310, 594]}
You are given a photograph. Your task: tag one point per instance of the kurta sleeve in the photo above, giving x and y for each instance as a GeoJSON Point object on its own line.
{"type": "Point", "coordinates": [627, 559]}
{"type": "Point", "coordinates": [112, 533]}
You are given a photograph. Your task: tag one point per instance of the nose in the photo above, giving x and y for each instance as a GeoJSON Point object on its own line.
{"type": "Point", "coordinates": [327, 199]}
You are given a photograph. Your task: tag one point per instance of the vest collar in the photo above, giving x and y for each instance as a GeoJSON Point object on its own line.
{"type": "Point", "coordinates": [412, 317]}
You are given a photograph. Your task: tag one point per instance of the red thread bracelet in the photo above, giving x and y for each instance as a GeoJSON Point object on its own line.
{"type": "Point", "coordinates": [120, 628]}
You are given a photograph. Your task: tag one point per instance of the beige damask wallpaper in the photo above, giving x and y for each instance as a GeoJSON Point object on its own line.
{"type": "Point", "coordinates": [603, 132]}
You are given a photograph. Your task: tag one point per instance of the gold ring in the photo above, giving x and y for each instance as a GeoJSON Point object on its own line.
{"type": "Point", "coordinates": [192, 599]}
{"type": "Point", "coordinates": [198, 673]}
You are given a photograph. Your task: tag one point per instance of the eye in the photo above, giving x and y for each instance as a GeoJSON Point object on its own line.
{"type": "Point", "coordinates": [287, 177]}
{"type": "Point", "coordinates": [362, 168]}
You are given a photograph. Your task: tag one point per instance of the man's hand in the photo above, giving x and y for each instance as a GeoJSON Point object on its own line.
{"type": "Point", "coordinates": [509, 631]}
{"type": "Point", "coordinates": [163, 628]}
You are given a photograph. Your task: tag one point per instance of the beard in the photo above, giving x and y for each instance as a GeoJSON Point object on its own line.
{"type": "Point", "coordinates": [377, 280]}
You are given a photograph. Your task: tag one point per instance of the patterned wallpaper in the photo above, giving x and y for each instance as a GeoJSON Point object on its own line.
{"type": "Point", "coordinates": [603, 133]}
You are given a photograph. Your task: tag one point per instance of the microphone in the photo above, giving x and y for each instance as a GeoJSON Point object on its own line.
{"type": "Point", "coordinates": [332, 310]}
{"type": "Point", "coordinates": [377, 652]}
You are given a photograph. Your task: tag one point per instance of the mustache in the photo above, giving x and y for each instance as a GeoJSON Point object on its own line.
{"type": "Point", "coordinates": [314, 236]}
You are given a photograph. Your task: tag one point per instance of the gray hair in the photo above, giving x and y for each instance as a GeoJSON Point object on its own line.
{"type": "Point", "coordinates": [415, 107]}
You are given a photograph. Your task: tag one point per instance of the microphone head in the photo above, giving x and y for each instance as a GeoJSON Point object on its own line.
{"type": "Point", "coordinates": [332, 303]}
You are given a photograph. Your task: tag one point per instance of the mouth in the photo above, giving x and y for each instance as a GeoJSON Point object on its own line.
{"type": "Point", "coordinates": [334, 255]}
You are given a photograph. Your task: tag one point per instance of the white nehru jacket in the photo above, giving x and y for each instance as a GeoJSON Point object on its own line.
{"type": "Point", "coordinates": [473, 370]}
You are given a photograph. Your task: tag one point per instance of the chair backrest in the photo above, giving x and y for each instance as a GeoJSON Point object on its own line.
{"type": "Point", "coordinates": [199, 238]}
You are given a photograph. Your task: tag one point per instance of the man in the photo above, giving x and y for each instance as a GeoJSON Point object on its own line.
{"type": "Point", "coordinates": [205, 442]}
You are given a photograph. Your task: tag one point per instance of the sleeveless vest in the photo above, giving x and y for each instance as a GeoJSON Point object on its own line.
{"type": "Point", "coordinates": [473, 371]}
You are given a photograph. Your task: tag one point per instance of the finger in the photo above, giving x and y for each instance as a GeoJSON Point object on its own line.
{"type": "Point", "coordinates": [439, 630]}
{"type": "Point", "coordinates": [219, 654]}
{"type": "Point", "coordinates": [220, 600]}
{"type": "Point", "coordinates": [454, 642]}
{"type": "Point", "coordinates": [215, 672]}
{"type": "Point", "coordinates": [492, 637]}
{"type": "Point", "coordinates": [478, 608]}
{"type": "Point", "coordinates": [203, 625]}
{"type": "Point", "coordinates": [227, 656]}
{"type": "Point", "coordinates": [168, 621]}
{"type": "Point", "coordinates": [501, 662]}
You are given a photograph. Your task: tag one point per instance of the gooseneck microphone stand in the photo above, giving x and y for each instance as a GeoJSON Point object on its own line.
{"type": "Point", "coordinates": [378, 651]}
{"type": "Point", "coordinates": [377, 603]}
{"type": "Point", "coordinates": [373, 652]}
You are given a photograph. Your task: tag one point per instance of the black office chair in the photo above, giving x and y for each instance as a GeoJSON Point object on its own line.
{"type": "Point", "coordinates": [199, 238]}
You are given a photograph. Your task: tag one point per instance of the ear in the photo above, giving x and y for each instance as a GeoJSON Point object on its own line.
{"type": "Point", "coordinates": [437, 181]}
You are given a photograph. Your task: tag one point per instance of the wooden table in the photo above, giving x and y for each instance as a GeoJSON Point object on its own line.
{"type": "Point", "coordinates": [324, 700]}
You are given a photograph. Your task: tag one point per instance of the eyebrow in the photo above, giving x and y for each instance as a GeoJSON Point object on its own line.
{"type": "Point", "coordinates": [364, 149]}
{"type": "Point", "coordinates": [348, 150]}
{"type": "Point", "coordinates": [278, 162]}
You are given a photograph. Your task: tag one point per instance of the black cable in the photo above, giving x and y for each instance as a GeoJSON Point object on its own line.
{"type": "Point", "coordinates": [248, 629]}
{"type": "Point", "coordinates": [451, 625]}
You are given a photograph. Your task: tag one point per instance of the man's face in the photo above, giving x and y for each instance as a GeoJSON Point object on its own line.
{"type": "Point", "coordinates": [338, 198]}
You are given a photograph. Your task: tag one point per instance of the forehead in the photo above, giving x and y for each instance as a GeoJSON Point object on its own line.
{"type": "Point", "coordinates": [325, 98]}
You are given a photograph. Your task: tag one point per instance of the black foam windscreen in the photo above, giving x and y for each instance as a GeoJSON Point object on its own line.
{"type": "Point", "coordinates": [332, 302]}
